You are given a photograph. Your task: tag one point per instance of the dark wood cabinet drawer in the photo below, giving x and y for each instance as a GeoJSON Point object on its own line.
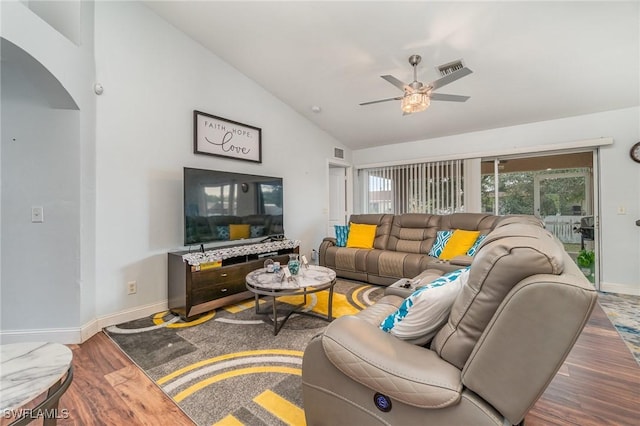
{"type": "Point", "coordinates": [211, 292]}
{"type": "Point", "coordinates": [218, 276]}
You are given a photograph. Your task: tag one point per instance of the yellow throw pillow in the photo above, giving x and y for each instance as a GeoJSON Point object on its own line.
{"type": "Point", "coordinates": [361, 235]}
{"type": "Point", "coordinates": [239, 231]}
{"type": "Point", "coordinates": [459, 243]}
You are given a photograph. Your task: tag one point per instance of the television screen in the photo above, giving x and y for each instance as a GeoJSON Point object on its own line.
{"type": "Point", "coordinates": [226, 206]}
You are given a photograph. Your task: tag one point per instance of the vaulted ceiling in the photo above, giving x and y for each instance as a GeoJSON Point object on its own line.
{"type": "Point", "coordinates": [531, 61]}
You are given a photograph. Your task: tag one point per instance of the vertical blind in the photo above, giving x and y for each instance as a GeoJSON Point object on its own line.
{"type": "Point", "coordinates": [413, 188]}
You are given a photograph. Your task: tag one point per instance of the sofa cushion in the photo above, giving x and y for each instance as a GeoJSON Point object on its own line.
{"type": "Point", "coordinates": [482, 222]}
{"type": "Point", "coordinates": [222, 232]}
{"type": "Point", "coordinates": [474, 248]}
{"type": "Point", "coordinates": [257, 231]}
{"type": "Point", "coordinates": [460, 241]}
{"type": "Point", "coordinates": [361, 235]}
{"type": "Point", "coordinates": [239, 231]}
{"type": "Point", "coordinates": [413, 232]}
{"type": "Point", "coordinates": [383, 223]}
{"type": "Point", "coordinates": [391, 263]}
{"type": "Point", "coordinates": [442, 238]}
{"type": "Point", "coordinates": [422, 314]}
{"type": "Point", "coordinates": [342, 232]}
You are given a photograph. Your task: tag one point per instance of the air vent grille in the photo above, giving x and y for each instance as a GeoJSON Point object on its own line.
{"type": "Point", "coordinates": [451, 67]}
{"type": "Point", "coordinates": [338, 153]}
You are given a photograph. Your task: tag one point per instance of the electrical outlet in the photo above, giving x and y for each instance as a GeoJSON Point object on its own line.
{"type": "Point", "coordinates": [132, 287]}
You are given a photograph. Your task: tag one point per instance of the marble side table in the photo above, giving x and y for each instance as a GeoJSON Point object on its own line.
{"type": "Point", "coordinates": [27, 370]}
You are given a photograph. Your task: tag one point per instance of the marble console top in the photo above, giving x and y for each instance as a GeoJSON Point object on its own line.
{"type": "Point", "coordinates": [307, 277]}
{"type": "Point", "coordinates": [29, 369]}
{"type": "Point", "coordinates": [196, 258]}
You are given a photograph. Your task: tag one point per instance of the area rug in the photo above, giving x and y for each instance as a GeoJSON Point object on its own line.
{"type": "Point", "coordinates": [227, 367]}
{"type": "Point", "coordinates": [624, 313]}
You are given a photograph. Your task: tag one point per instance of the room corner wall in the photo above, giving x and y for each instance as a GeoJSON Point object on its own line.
{"type": "Point", "coordinates": [48, 135]}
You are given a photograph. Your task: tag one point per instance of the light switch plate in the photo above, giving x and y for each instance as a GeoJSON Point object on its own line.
{"type": "Point", "coordinates": [37, 214]}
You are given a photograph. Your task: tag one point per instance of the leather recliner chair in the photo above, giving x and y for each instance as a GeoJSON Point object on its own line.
{"type": "Point", "coordinates": [509, 331]}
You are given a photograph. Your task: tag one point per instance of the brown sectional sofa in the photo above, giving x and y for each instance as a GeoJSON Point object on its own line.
{"type": "Point", "coordinates": [402, 244]}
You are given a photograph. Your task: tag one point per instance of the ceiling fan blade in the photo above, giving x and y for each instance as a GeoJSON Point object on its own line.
{"type": "Point", "coordinates": [382, 100]}
{"type": "Point", "coordinates": [451, 98]}
{"type": "Point", "coordinates": [399, 84]}
{"type": "Point", "coordinates": [450, 78]}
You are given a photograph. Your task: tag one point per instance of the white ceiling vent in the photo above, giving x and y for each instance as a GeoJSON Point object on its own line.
{"type": "Point", "coordinates": [338, 153]}
{"type": "Point", "coordinates": [447, 69]}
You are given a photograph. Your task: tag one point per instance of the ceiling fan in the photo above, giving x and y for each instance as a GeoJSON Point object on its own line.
{"type": "Point", "coordinates": [418, 96]}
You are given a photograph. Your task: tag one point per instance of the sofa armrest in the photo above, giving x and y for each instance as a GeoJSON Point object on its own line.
{"type": "Point", "coordinates": [461, 260]}
{"type": "Point", "coordinates": [408, 373]}
{"type": "Point", "coordinates": [328, 241]}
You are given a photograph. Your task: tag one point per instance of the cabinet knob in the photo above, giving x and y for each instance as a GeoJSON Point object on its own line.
{"type": "Point", "coordinates": [223, 275]}
{"type": "Point", "coordinates": [223, 290]}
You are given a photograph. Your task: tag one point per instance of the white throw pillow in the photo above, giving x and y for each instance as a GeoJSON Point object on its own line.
{"type": "Point", "coordinates": [423, 313]}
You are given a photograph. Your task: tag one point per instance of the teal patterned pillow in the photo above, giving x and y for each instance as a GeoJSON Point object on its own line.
{"type": "Point", "coordinates": [223, 232]}
{"type": "Point", "coordinates": [342, 233]}
{"type": "Point", "coordinates": [256, 231]}
{"type": "Point", "coordinates": [441, 240]}
{"type": "Point", "coordinates": [474, 248]}
{"type": "Point", "coordinates": [422, 314]}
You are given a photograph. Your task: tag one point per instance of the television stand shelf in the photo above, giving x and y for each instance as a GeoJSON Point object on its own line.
{"type": "Point", "coordinates": [201, 282]}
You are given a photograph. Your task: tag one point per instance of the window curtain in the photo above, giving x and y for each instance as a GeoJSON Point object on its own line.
{"type": "Point", "coordinates": [435, 188]}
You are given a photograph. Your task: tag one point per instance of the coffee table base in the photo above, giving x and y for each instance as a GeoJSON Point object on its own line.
{"type": "Point", "coordinates": [277, 325]}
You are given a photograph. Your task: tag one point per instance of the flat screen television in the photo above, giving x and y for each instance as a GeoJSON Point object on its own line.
{"type": "Point", "coordinates": [225, 206]}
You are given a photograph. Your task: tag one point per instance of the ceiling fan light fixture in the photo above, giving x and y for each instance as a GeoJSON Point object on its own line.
{"type": "Point", "coordinates": [415, 102]}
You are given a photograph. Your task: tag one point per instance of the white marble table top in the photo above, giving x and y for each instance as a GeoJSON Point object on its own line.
{"type": "Point", "coordinates": [30, 369]}
{"type": "Point", "coordinates": [307, 277]}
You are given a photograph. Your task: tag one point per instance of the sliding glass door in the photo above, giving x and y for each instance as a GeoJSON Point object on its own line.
{"type": "Point", "coordinates": [557, 188]}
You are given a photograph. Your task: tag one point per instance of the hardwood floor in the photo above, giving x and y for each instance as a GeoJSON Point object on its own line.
{"type": "Point", "coordinates": [599, 384]}
{"type": "Point", "coordinates": [108, 389]}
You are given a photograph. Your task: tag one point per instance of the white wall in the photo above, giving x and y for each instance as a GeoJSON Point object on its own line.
{"type": "Point", "coordinates": [40, 261]}
{"type": "Point", "coordinates": [48, 107]}
{"type": "Point", "coordinates": [154, 77]}
{"type": "Point", "coordinates": [619, 175]}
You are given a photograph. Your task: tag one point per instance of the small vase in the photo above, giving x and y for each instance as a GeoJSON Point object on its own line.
{"type": "Point", "coordinates": [294, 264]}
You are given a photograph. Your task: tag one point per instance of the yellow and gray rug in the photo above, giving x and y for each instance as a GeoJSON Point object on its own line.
{"type": "Point", "coordinates": [227, 367]}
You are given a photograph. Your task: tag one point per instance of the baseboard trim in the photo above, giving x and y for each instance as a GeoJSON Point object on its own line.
{"type": "Point", "coordinates": [70, 336]}
{"type": "Point", "coordinates": [131, 314]}
{"type": "Point", "coordinates": [620, 288]}
{"type": "Point", "coordinates": [65, 336]}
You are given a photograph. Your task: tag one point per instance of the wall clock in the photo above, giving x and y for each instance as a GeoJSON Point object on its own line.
{"type": "Point", "coordinates": [635, 152]}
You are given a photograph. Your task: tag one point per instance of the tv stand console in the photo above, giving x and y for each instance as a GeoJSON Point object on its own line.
{"type": "Point", "coordinates": [200, 282]}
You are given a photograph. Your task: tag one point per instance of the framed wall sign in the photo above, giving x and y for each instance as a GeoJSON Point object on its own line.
{"type": "Point", "coordinates": [226, 138]}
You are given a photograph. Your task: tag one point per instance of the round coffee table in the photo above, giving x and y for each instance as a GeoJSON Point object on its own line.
{"type": "Point", "coordinates": [310, 279]}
